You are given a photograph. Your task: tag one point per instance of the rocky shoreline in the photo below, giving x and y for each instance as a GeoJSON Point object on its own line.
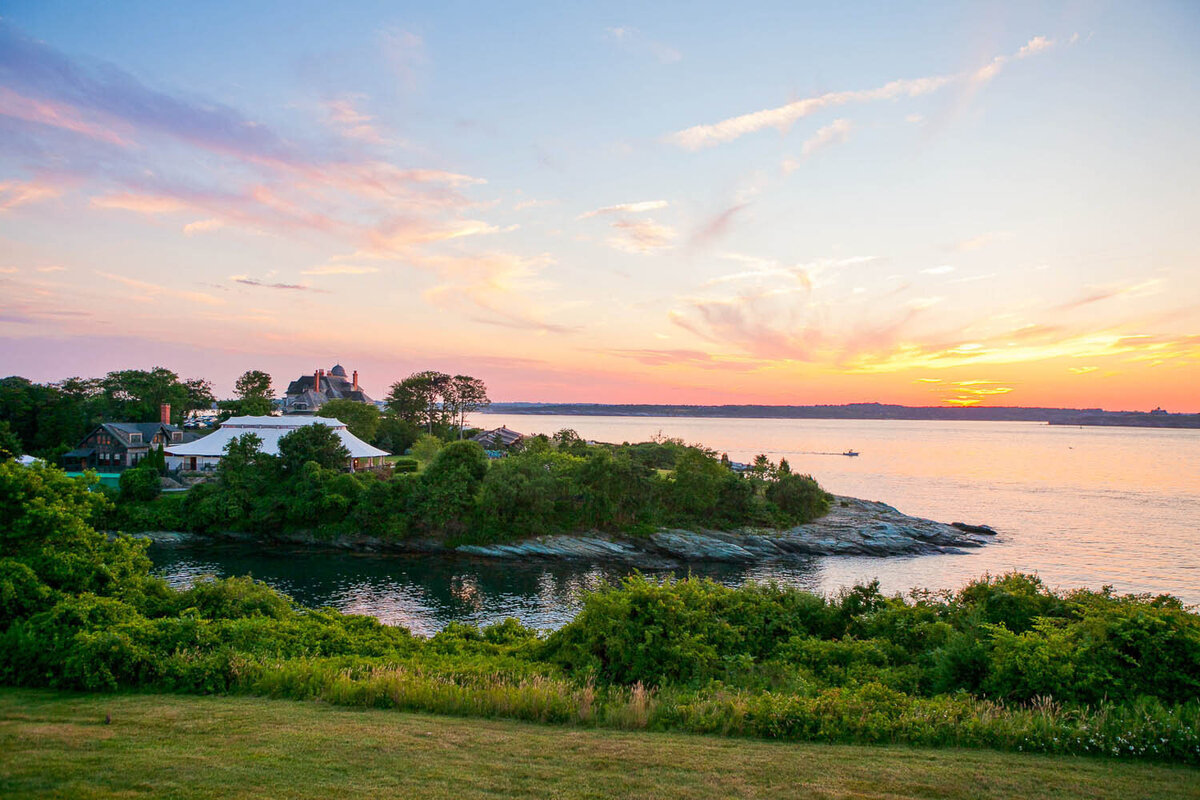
{"type": "Point", "coordinates": [852, 527]}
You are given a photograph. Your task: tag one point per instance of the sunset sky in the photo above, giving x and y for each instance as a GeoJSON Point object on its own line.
{"type": "Point", "coordinates": [700, 203]}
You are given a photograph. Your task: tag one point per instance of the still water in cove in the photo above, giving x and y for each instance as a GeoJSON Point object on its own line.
{"type": "Point", "coordinates": [1079, 506]}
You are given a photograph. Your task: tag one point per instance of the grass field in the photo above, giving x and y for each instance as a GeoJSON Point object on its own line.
{"type": "Point", "coordinates": [58, 745]}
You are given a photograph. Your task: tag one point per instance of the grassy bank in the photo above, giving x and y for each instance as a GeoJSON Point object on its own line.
{"type": "Point", "coordinates": [57, 745]}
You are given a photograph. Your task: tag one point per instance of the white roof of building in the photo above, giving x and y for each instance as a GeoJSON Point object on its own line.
{"type": "Point", "coordinates": [270, 430]}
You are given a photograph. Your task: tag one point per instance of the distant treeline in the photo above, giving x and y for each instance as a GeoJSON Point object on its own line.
{"type": "Point", "coordinates": [1054, 416]}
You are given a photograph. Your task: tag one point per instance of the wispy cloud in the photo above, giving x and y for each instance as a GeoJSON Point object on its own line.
{"type": "Point", "coordinates": [626, 208]}
{"type": "Point", "coordinates": [141, 203]}
{"type": "Point", "coordinates": [202, 226]}
{"type": "Point", "coordinates": [352, 123]}
{"type": "Point", "coordinates": [19, 193]}
{"type": "Point", "coordinates": [944, 269]}
{"type": "Point", "coordinates": [782, 117]}
{"type": "Point", "coordinates": [833, 133]}
{"type": "Point", "coordinates": [716, 226]}
{"type": "Point", "coordinates": [1097, 294]}
{"type": "Point", "coordinates": [495, 288]}
{"type": "Point", "coordinates": [246, 280]}
{"type": "Point", "coordinates": [641, 235]}
{"type": "Point", "coordinates": [103, 102]}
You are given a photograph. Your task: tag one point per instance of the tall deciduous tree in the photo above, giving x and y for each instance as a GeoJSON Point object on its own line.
{"type": "Point", "coordinates": [466, 394]}
{"type": "Point", "coordinates": [420, 398]}
{"type": "Point", "coordinates": [135, 395]}
{"type": "Point", "coordinates": [253, 383]}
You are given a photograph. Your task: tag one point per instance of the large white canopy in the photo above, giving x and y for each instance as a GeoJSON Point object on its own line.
{"type": "Point", "coordinates": [270, 430]}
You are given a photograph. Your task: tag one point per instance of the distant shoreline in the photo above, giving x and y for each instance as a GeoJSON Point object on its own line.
{"type": "Point", "coordinates": [877, 411]}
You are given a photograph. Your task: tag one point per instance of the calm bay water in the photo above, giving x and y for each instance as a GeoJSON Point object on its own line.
{"type": "Point", "coordinates": [1079, 506]}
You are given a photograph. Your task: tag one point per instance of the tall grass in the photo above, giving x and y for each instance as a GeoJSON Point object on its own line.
{"type": "Point", "coordinates": [868, 714]}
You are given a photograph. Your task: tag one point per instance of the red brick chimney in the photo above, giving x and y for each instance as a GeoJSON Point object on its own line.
{"type": "Point", "coordinates": [164, 413]}
{"type": "Point", "coordinates": [316, 380]}
{"type": "Point", "coordinates": [356, 380]}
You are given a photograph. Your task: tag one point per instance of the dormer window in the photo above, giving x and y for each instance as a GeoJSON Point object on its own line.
{"type": "Point", "coordinates": [176, 436]}
{"type": "Point", "coordinates": [135, 438]}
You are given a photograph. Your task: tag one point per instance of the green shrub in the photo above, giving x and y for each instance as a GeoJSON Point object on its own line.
{"type": "Point", "coordinates": [140, 483]}
{"type": "Point", "coordinates": [799, 498]}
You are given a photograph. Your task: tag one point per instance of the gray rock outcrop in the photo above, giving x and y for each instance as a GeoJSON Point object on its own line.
{"type": "Point", "coordinates": [852, 527]}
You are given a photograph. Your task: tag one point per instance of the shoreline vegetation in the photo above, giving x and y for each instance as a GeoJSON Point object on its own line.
{"type": "Point", "coordinates": [1004, 663]}
{"type": "Point", "coordinates": [460, 497]}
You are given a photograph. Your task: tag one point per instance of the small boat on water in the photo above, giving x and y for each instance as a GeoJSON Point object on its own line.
{"type": "Point", "coordinates": [850, 453]}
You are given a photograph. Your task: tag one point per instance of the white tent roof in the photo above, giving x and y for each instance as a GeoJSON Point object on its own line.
{"type": "Point", "coordinates": [270, 430]}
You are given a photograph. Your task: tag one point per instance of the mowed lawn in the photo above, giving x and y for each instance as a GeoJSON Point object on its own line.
{"type": "Point", "coordinates": [167, 746]}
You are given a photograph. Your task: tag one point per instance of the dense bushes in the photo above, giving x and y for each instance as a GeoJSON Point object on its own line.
{"type": "Point", "coordinates": [555, 485]}
{"type": "Point", "coordinates": [1003, 663]}
{"type": "Point", "coordinates": [1088, 647]}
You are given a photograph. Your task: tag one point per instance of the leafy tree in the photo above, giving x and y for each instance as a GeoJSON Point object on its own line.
{"type": "Point", "coordinates": [135, 395]}
{"type": "Point", "coordinates": [316, 442]}
{"type": "Point", "coordinates": [426, 448]}
{"type": "Point", "coordinates": [420, 398]}
{"type": "Point", "coordinates": [464, 394]}
{"type": "Point", "coordinates": [448, 488]}
{"type": "Point", "coordinates": [49, 418]}
{"type": "Point", "coordinates": [696, 486]}
{"type": "Point", "coordinates": [362, 419]}
{"type": "Point", "coordinates": [48, 538]}
{"type": "Point", "coordinates": [254, 383]}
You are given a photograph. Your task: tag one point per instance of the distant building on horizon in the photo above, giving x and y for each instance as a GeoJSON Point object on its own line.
{"type": "Point", "coordinates": [308, 393]}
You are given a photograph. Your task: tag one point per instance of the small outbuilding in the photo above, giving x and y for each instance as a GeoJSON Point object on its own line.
{"type": "Point", "coordinates": [503, 436]}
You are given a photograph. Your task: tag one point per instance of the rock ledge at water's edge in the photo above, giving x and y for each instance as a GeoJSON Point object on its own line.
{"type": "Point", "coordinates": [852, 527]}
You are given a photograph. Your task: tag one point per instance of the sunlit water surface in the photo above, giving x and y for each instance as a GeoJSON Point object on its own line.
{"type": "Point", "coordinates": [1079, 506]}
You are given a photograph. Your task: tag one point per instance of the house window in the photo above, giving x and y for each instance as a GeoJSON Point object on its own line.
{"type": "Point", "coordinates": [135, 438]}
{"type": "Point", "coordinates": [176, 436]}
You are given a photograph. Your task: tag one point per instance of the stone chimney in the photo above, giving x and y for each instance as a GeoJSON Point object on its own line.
{"type": "Point", "coordinates": [356, 380]}
{"type": "Point", "coordinates": [164, 413]}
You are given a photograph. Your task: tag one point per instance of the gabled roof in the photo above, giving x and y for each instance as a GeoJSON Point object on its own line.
{"type": "Point", "coordinates": [505, 435]}
{"type": "Point", "coordinates": [121, 431]}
